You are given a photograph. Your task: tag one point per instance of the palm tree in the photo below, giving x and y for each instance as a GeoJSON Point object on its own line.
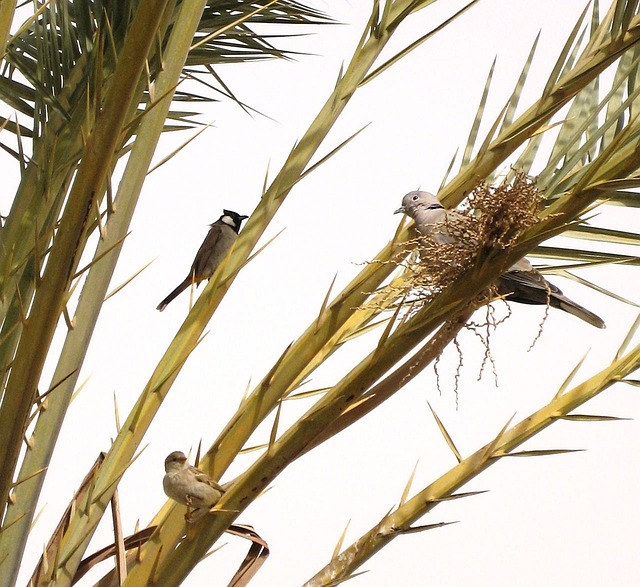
{"type": "Point", "coordinates": [94, 86]}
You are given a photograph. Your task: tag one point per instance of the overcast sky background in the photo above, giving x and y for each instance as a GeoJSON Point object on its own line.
{"type": "Point", "coordinates": [560, 520]}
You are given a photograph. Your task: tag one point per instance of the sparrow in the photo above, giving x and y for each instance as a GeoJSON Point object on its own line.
{"type": "Point", "coordinates": [187, 485]}
{"type": "Point", "coordinates": [521, 283]}
{"type": "Point", "coordinates": [220, 238]}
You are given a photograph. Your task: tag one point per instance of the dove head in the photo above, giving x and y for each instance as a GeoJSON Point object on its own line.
{"type": "Point", "coordinates": [415, 202]}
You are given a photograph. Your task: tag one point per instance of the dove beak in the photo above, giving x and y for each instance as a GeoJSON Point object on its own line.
{"type": "Point", "coordinates": [401, 209]}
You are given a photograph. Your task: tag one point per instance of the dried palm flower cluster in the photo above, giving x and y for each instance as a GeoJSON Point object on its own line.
{"type": "Point", "coordinates": [505, 212]}
{"type": "Point", "coordinates": [491, 218]}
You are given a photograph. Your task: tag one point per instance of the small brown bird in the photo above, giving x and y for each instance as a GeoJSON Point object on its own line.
{"type": "Point", "coordinates": [212, 251]}
{"type": "Point", "coordinates": [187, 485]}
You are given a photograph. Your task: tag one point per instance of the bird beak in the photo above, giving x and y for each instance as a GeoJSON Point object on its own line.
{"type": "Point", "coordinates": [401, 209]}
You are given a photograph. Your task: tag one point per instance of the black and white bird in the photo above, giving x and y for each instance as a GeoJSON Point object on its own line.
{"type": "Point", "coordinates": [187, 485]}
{"type": "Point", "coordinates": [521, 283]}
{"type": "Point", "coordinates": [212, 251]}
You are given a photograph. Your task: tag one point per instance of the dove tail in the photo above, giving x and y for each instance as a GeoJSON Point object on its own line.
{"type": "Point", "coordinates": [577, 310]}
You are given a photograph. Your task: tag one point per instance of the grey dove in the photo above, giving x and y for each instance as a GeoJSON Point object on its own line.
{"type": "Point", "coordinates": [214, 248]}
{"type": "Point", "coordinates": [521, 283]}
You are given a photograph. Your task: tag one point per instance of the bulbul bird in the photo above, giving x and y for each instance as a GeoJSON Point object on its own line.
{"type": "Point", "coordinates": [187, 485]}
{"type": "Point", "coordinates": [212, 251]}
{"type": "Point", "coordinates": [521, 283]}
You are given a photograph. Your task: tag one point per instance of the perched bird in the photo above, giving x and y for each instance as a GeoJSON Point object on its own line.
{"type": "Point", "coordinates": [521, 283]}
{"type": "Point", "coordinates": [212, 251]}
{"type": "Point", "coordinates": [188, 485]}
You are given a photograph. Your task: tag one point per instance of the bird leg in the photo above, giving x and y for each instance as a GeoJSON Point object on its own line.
{"type": "Point", "coordinates": [187, 516]}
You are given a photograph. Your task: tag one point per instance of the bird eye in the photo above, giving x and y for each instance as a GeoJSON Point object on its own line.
{"type": "Point", "coordinates": [415, 197]}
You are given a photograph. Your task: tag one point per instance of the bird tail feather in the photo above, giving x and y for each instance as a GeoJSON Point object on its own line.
{"type": "Point", "coordinates": [174, 294]}
{"type": "Point", "coordinates": [580, 312]}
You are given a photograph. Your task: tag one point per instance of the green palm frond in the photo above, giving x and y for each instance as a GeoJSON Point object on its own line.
{"type": "Point", "coordinates": [424, 501]}
{"type": "Point", "coordinates": [55, 50]}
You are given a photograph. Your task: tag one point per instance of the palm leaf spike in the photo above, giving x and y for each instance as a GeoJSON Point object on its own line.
{"type": "Point", "coordinates": [127, 281]}
{"type": "Point", "coordinates": [338, 546]}
{"type": "Point", "coordinates": [628, 338]}
{"type": "Point", "coordinates": [592, 418]}
{"type": "Point", "coordinates": [446, 435]}
{"type": "Point", "coordinates": [593, 286]}
{"type": "Point", "coordinates": [325, 302]}
{"type": "Point", "coordinates": [569, 378]}
{"type": "Point", "coordinates": [424, 527]}
{"type": "Point", "coordinates": [389, 327]}
{"type": "Point", "coordinates": [407, 487]}
{"type": "Point", "coordinates": [398, 56]}
{"type": "Point", "coordinates": [448, 171]}
{"type": "Point", "coordinates": [116, 412]}
{"type": "Point", "coordinates": [462, 495]}
{"type": "Point", "coordinates": [475, 126]}
{"type": "Point", "coordinates": [120, 550]}
{"type": "Point", "coordinates": [540, 452]}
{"type": "Point", "coordinates": [490, 451]}
{"type": "Point", "coordinates": [274, 429]}
{"type": "Point", "coordinates": [514, 100]}
{"type": "Point", "coordinates": [568, 54]}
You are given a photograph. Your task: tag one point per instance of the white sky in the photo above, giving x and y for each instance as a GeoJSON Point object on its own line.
{"type": "Point", "coordinates": [560, 520]}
